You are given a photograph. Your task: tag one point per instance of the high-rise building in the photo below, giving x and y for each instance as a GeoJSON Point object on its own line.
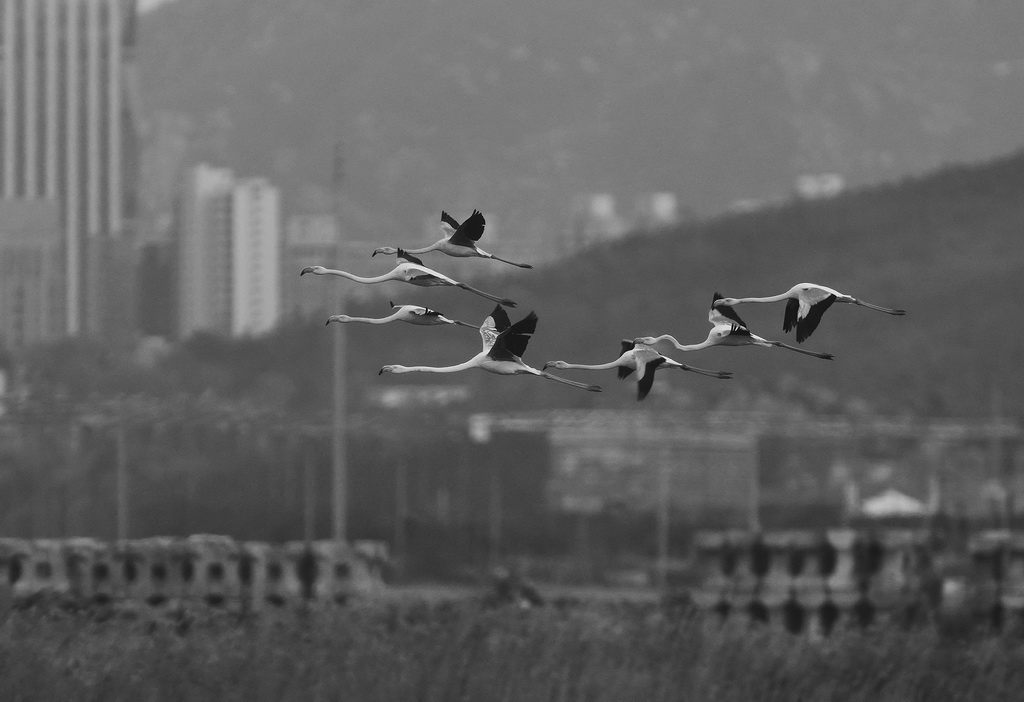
{"type": "Point", "coordinates": [229, 256]}
{"type": "Point", "coordinates": [255, 257]}
{"type": "Point", "coordinates": [31, 282]}
{"type": "Point", "coordinates": [67, 134]}
{"type": "Point", "coordinates": [204, 246]}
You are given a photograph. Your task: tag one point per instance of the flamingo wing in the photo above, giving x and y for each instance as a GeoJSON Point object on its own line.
{"type": "Point", "coordinates": [645, 377]}
{"type": "Point", "coordinates": [424, 312]}
{"type": "Point", "coordinates": [470, 231]}
{"type": "Point", "coordinates": [625, 371]}
{"type": "Point", "coordinates": [449, 220]}
{"type": "Point", "coordinates": [737, 330]}
{"type": "Point", "coordinates": [807, 320]}
{"type": "Point", "coordinates": [492, 327]}
{"type": "Point", "coordinates": [511, 342]}
{"type": "Point", "coordinates": [725, 314]}
{"type": "Point", "coordinates": [403, 254]}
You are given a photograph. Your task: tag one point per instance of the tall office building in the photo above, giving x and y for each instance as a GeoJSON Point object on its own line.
{"type": "Point", "coordinates": [204, 245]}
{"type": "Point", "coordinates": [228, 253]}
{"type": "Point", "coordinates": [67, 134]}
{"type": "Point", "coordinates": [31, 283]}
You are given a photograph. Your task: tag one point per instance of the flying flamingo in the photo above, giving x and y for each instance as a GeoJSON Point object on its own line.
{"type": "Point", "coordinates": [411, 271]}
{"type": "Point", "coordinates": [503, 345]}
{"type": "Point", "coordinates": [642, 359]}
{"type": "Point", "coordinates": [806, 304]}
{"type": "Point", "coordinates": [413, 314]}
{"type": "Point", "coordinates": [727, 329]}
{"type": "Point", "coordinates": [460, 242]}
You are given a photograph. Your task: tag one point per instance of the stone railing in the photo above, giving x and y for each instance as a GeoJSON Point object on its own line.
{"type": "Point", "coordinates": [203, 569]}
{"type": "Point", "coordinates": [814, 581]}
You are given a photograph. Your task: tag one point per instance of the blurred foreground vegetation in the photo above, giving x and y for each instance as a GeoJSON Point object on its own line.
{"type": "Point", "coordinates": [457, 650]}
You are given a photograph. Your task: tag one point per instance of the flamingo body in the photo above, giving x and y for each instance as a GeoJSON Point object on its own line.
{"type": "Point", "coordinates": [727, 329]}
{"type": "Point", "coordinates": [411, 314]}
{"type": "Point", "coordinates": [643, 360]}
{"type": "Point", "coordinates": [411, 271]}
{"type": "Point", "coordinates": [503, 346]}
{"type": "Point", "coordinates": [460, 241]}
{"type": "Point", "coordinates": [805, 305]}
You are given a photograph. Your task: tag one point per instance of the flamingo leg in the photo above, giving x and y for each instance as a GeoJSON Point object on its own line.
{"type": "Point", "coordinates": [807, 352]}
{"type": "Point", "coordinates": [887, 310]}
{"type": "Point", "coordinates": [500, 300]}
{"type": "Point", "coordinates": [582, 386]}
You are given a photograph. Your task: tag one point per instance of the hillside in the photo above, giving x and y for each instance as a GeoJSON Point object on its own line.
{"type": "Point", "coordinates": [517, 107]}
{"type": "Point", "coordinates": [946, 247]}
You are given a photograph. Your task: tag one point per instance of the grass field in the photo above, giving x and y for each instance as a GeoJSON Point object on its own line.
{"type": "Point", "coordinates": [448, 650]}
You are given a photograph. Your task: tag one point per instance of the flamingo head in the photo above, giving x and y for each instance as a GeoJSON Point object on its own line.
{"type": "Point", "coordinates": [645, 340]}
{"type": "Point", "coordinates": [387, 369]}
{"type": "Point", "coordinates": [561, 365]}
{"type": "Point", "coordinates": [386, 250]}
{"type": "Point", "coordinates": [338, 318]}
{"type": "Point", "coordinates": [726, 301]}
{"type": "Point", "coordinates": [315, 270]}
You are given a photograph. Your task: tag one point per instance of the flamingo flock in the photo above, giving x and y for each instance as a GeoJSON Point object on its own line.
{"type": "Point", "coordinates": [504, 343]}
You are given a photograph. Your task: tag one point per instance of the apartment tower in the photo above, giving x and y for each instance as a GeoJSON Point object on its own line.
{"type": "Point", "coordinates": [229, 253]}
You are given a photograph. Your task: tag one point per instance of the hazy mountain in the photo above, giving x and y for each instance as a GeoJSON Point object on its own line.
{"type": "Point", "coordinates": [947, 247]}
{"type": "Point", "coordinates": [515, 107]}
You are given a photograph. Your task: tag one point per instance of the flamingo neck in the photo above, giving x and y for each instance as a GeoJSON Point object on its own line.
{"type": "Point", "coordinates": [359, 278]}
{"type": "Point", "coordinates": [375, 320]}
{"type": "Point", "coordinates": [772, 298]}
{"type": "Point", "coordinates": [435, 369]}
{"type": "Point", "coordinates": [684, 347]}
{"type": "Point", "coordinates": [599, 366]}
{"type": "Point", "coordinates": [426, 249]}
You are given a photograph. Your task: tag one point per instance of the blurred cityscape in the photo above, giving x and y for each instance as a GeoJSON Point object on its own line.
{"type": "Point", "coordinates": [165, 370]}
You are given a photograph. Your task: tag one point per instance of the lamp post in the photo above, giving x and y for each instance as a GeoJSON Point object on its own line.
{"type": "Point", "coordinates": [339, 469]}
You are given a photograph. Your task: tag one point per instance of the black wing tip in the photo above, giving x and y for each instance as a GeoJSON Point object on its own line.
{"type": "Point", "coordinates": [402, 253]}
{"type": "Point", "coordinates": [718, 296]}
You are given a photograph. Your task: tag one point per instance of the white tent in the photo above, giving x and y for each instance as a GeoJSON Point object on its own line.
{"type": "Point", "coordinates": [893, 503]}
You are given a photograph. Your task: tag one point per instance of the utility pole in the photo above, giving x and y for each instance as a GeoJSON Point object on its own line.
{"type": "Point", "coordinates": [339, 504]}
{"type": "Point", "coordinates": [664, 516]}
{"type": "Point", "coordinates": [308, 492]}
{"type": "Point", "coordinates": [495, 515]}
{"type": "Point", "coordinates": [121, 439]}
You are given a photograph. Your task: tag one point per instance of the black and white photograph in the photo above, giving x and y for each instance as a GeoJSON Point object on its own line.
{"type": "Point", "coordinates": [329, 332]}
